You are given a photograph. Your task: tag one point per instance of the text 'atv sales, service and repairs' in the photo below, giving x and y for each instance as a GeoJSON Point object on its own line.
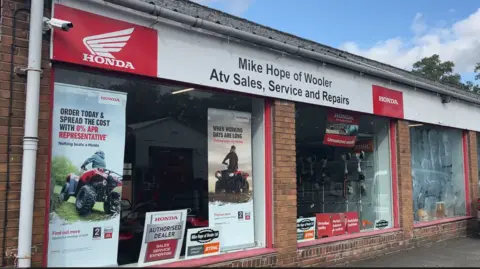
{"type": "Point", "coordinates": [281, 81]}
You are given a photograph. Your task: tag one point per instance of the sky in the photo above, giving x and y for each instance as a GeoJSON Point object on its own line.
{"type": "Point", "coordinates": [398, 33]}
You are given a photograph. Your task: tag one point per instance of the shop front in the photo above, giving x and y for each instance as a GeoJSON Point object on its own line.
{"type": "Point", "coordinates": [179, 147]}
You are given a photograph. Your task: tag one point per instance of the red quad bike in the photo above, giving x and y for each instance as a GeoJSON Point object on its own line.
{"type": "Point", "coordinates": [95, 185]}
{"type": "Point", "coordinates": [231, 182]}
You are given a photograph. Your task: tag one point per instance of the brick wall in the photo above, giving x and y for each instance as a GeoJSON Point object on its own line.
{"type": "Point", "coordinates": [473, 171]}
{"type": "Point", "coordinates": [284, 183]}
{"type": "Point", "coordinates": [404, 166]}
{"type": "Point", "coordinates": [18, 113]}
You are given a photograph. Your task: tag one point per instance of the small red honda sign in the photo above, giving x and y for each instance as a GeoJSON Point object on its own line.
{"type": "Point", "coordinates": [387, 102]}
{"type": "Point", "coordinates": [105, 43]}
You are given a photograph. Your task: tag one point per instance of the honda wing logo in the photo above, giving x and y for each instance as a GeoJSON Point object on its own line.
{"type": "Point", "coordinates": [102, 46]}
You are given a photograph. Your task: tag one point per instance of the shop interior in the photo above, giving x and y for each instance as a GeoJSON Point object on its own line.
{"type": "Point", "coordinates": [166, 166]}
{"type": "Point", "coordinates": [327, 182]}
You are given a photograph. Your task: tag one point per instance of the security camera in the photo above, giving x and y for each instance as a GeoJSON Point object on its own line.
{"type": "Point", "coordinates": [57, 23]}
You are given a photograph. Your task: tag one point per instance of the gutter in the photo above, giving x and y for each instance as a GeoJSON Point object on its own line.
{"type": "Point", "coordinates": [155, 10]}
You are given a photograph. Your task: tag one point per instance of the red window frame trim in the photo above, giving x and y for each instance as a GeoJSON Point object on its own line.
{"type": "Point", "coordinates": [268, 249]}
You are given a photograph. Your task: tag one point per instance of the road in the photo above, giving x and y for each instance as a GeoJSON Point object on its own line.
{"type": "Point", "coordinates": [461, 252]}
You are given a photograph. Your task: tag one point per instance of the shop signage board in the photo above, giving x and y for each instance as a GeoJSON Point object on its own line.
{"type": "Point", "coordinates": [105, 43]}
{"type": "Point", "coordinates": [202, 242]}
{"type": "Point", "coordinates": [230, 188]}
{"type": "Point", "coordinates": [162, 236]}
{"type": "Point", "coordinates": [305, 229]}
{"type": "Point", "coordinates": [324, 225]}
{"type": "Point", "coordinates": [341, 129]}
{"type": "Point", "coordinates": [88, 128]}
{"type": "Point", "coordinates": [352, 223]}
{"type": "Point", "coordinates": [243, 67]}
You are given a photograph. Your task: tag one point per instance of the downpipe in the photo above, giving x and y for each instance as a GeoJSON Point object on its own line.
{"type": "Point", "coordinates": [156, 10]}
{"type": "Point", "coordinates": [30, 139]}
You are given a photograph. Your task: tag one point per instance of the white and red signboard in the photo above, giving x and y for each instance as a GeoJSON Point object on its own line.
{"type": "Point", "coordinates": [105, 43]}
{"type": "Point", "coordinates": [162, 236]}
{"type": "Point", "coordinates": [139, 45]}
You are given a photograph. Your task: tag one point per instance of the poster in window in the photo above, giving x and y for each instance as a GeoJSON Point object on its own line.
{"type": "Point", "coordinates": [341, 129]}
{"type": "Point", "coordinates": [230, 177]}
{"type": "Point", "coordinates": [88, 135]}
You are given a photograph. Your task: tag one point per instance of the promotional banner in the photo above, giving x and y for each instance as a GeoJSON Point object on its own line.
{"type": "Point", "coordinates": [342, 128]}
{"type": "Point", "coordinates": [162, 236]}
{"type": "Point", "coordinates": [305, 229]}
{"type": "Point", "coordinates": [88, 135]}
{"type": "Point", "coordinates": [324, 225]}
{"type": "Point", "coordinates": [202, 242]}
{"type": "Point", "coordinates": [229, 182]}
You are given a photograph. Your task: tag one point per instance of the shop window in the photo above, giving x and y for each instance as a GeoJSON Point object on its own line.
{"type": "Point", "coordinates": [344, 182]}
{"type": "Point", "coordinates": [437, 172]}
{"type": "Point", "coordinates": [185, 148]}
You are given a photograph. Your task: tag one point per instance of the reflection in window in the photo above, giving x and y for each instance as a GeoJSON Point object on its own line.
{"type": "Point", "coordinates": [343, 170]}
{"type": "Point", "coordinates": [437, 172]}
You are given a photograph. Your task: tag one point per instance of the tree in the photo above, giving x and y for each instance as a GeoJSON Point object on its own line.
{"type": "Point", "coordinates": [61, 167]}
{"type": "Point", "coordinates": [433, 68]}
{"type": "Point", "coordinates": [477, 70]}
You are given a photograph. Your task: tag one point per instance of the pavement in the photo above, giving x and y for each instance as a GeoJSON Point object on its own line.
{"type": "Point", "coordinates": [460, 252]}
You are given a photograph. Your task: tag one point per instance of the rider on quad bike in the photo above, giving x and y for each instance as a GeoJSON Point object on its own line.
{"type": "Point", "coordinates": [97, 160]}
{"type": "Point", "coordinates": [94, 185]}
{"type": "Point", "coordinates": [231, 179]}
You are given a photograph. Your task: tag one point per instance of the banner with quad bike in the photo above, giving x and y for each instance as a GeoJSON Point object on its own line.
{"type": "Point", "coordinates": [88, 136]}
{"type": "Point", "coordinates": [230, 185]}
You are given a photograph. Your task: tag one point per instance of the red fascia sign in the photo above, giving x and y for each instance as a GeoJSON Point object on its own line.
{"type": "Point", "coordinates": [387, 102]}
{"type": "Point", "coordinates": [106, 43]}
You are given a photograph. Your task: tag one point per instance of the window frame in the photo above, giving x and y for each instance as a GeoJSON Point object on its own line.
{"type": "Point", "coordinates": [268, 138]}
{"type": "Point", "coordinates": [466, 178]}
{"type": "Point", "coordinates": [395, 198]}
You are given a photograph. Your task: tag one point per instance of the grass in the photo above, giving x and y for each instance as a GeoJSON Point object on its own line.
{"type": "Point", "coordinates": [68, 212]}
